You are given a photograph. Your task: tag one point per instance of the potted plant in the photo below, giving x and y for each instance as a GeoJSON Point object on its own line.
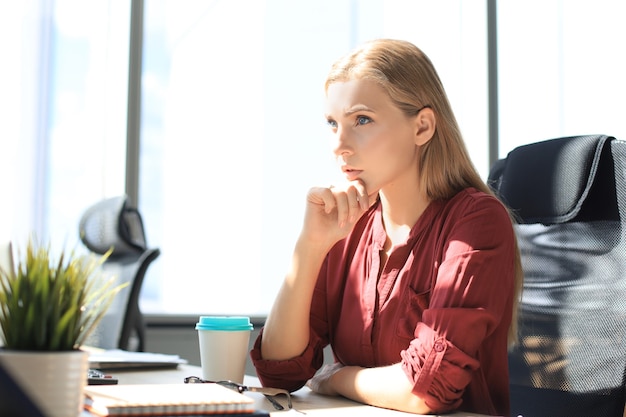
{"type": "Point", "coordinates": [47, 310]}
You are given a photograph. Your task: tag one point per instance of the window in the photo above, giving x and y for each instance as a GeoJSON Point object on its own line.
{"type": "Point", "coordinates": [233, 132]}
{"type": "Point", "coordinates": [561, 66]}
{"type": "Point", "coordinates": [63, 123]}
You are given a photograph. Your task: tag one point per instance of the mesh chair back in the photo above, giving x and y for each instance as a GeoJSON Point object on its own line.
{"type": "Point", "coordinates": [570, 199]}
{"type": "Point", "coordinates": [112, 225]}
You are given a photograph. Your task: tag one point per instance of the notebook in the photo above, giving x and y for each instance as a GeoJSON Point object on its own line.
{"type": "Point", "coordinates": [165, 400]}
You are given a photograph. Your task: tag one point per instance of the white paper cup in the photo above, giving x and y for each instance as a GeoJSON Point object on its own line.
{"type": "Point", "coordinates": [223, 344]}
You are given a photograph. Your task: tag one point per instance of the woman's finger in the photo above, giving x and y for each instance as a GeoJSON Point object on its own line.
{"type": "Point", "coordinates": [354, 205]}
{"type": "Point", "coordinates": [343, 208]}
{"type": "Point", "coordinates": [322, 196]}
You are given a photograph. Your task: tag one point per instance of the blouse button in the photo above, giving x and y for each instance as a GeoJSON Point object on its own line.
{"type": "Point", "coordinates": [439, 347]}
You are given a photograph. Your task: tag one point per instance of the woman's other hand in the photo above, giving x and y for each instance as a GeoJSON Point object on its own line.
{"type": "Point", "coordinates": [320, 383]}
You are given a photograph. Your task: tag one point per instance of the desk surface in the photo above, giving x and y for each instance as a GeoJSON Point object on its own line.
{"type": "Point", "coordinates": [303, 400]}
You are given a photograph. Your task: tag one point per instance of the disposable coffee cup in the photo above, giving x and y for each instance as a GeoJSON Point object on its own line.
{"type": "Point", "coordinates": [223, 344]}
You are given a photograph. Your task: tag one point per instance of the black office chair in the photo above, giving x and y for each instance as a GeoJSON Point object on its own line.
{"type": "Point", "coordinates": [111, 223]}
{"type": "Point", "coordinates": [569, 195]}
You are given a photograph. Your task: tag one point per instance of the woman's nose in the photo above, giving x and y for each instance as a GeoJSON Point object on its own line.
{"type": "Point", "coordinates": [341, 142]}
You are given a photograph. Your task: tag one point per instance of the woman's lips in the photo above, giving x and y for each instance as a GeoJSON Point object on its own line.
{"type": "Point", "coordinates": [352, 174]}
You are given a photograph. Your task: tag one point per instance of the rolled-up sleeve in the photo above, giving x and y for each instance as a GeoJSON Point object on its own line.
{"type": "Point", "coordinates": [289, 374]}
{"type": "Point", "coordinates": [439, 371]}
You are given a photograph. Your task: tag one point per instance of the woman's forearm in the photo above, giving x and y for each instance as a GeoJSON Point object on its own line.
{"type": "Point", "coordinates": [329, 217]}
{"type": "Point", "coordinates": [386, 387]}
{"type": "Point", "coordinates": [286, 331]}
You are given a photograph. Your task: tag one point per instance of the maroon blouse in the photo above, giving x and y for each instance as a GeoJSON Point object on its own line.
{"type": "Point", "coordinates": [442, 306]}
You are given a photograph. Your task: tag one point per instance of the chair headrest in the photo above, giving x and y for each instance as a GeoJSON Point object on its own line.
{"type": "Point", "coordinates": [550, 181]}
{"type": "Point", "coordinates": [111, 223]}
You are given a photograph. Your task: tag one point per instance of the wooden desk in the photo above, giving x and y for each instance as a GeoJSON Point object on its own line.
{"type": "Point", "coordinates": [303, 400]}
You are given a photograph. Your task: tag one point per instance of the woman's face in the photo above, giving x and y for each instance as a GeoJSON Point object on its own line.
{"type": "Point", "coordinates": [373, 140]}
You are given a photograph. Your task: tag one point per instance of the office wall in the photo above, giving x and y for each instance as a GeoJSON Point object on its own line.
{"type": "Point", "coordinates": [176, 335]}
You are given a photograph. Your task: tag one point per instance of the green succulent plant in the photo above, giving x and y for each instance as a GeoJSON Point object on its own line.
{"type": "Point", "coordinates": [53, 306]}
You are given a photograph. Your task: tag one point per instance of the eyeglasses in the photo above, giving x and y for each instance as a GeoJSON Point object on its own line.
{"type": "Point", "coordinates": [269, 393]}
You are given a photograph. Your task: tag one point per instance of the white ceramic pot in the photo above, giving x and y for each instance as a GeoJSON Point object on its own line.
{"type": "Point", "coordinates": [55, 381]}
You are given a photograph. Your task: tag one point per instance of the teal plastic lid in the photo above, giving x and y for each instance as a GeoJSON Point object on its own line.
{"type": "Point", "coordinates": [224, 323]}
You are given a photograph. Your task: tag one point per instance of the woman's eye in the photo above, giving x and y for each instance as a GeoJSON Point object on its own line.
{"type": "Point", "coordinates": [362, 120]}
{"type": "Point", "coordinates": [331, 123]}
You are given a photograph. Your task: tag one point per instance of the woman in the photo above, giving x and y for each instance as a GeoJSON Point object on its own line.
{"type": "Point", "coordinates": [410, 271]}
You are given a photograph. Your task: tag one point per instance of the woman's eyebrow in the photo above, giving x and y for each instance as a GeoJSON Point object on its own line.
{"type": "Point", "coordinates": [356, 109]}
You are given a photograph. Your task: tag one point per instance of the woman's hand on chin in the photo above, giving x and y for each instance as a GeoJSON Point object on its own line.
{"type": "Point", "coordinates": [332, 212]}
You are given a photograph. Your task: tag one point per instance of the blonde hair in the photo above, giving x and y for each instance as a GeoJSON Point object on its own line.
{"type": "Point", "coordinates": [410, 79]}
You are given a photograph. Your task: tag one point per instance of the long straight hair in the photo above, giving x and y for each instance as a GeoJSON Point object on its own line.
{"type": "Point", "coordinates": [411, 81]}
